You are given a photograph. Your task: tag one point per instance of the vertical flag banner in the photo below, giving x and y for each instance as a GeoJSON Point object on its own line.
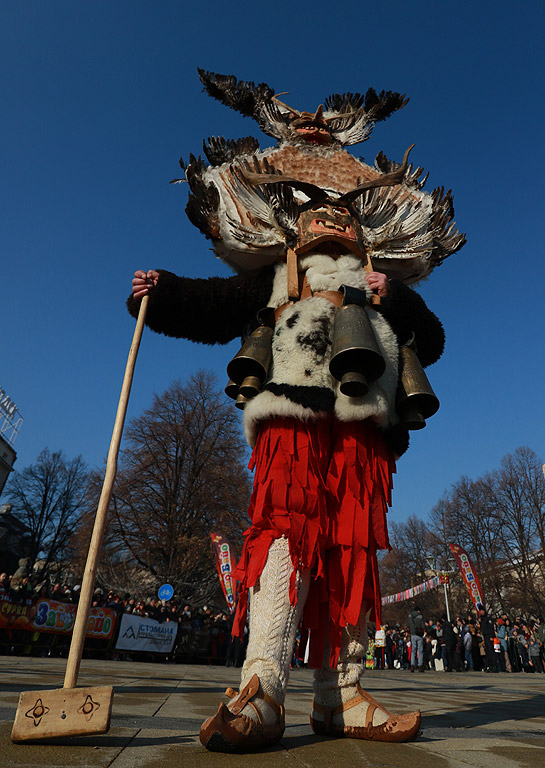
{"type": "Point", "coordinates": [469, 574]}
{"type": "Point", "coordinates": [225, 568]}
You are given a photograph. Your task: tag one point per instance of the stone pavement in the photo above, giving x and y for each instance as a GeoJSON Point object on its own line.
{"type": "Point", "coordinates": [470, 719]}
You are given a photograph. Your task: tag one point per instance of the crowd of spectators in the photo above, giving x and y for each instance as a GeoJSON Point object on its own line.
{"type": "Point", "coordinates": [475, 642]}
{"type": "Point", "coordinates": [203, 634]}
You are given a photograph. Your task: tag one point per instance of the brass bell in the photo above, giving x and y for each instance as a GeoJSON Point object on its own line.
{"type": "Point", "coordinates": [254, 357]}
{"type": "Point", "coordinates": [250, 387]}
{"type": "Point", "coordinates": [231, 389]}
{"type": "Point", "coordinates": [416, 400]}
{"type": "Point", "coordinates": [355, 356]}
{"type": "Point", "coordinates": [248, 369]}
{"type": "Point", "coordinates": [241, 401]}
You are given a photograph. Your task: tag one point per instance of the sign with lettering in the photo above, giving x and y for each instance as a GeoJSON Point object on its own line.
{"type": "Point", "coordinates": [51, 616]}
{"type": "Point", "coordinates": [469, 574]}
{"type": "Point", "coordinates": [224, 565]}
{"type": "Point", "coordinates": [138, 633]}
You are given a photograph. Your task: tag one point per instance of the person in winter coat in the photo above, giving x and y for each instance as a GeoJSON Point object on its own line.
{"type": "Point", "coordinates": [416, 627]}
{"type": "Point", "coordinates": [488, 633]}
{"type": "Point", "coordinates": [501, 634]}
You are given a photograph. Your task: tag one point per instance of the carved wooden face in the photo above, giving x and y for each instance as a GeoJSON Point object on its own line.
{"type": "Point", "coordinates": [311, 129]}
{"type": "Point", "coordinates": [332, 227]}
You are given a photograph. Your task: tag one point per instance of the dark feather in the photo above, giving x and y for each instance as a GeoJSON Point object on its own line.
{"type": "Point", "coordinates": [219, 150]}
{"type": "Point", "coordinates": [380, 106]}
{"type": "Point", "coordinates": [245, 97]}
{"type": "Point", "coordinates": [341, 102]}
{"type": "Point", "coordinates": [203, 203]}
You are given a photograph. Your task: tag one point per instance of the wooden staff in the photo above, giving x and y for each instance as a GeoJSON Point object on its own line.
{"type": "Point", "coordinates": [71, 711]}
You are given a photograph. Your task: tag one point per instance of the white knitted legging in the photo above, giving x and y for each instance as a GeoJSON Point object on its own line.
{"type": "Point", "coordinates": [333, 687]}
{"type": "Point", "coordinates": [274, 622]}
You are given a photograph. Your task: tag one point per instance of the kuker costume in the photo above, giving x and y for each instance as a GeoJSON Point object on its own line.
{"type": "Point", "coordinates": [326, 379]}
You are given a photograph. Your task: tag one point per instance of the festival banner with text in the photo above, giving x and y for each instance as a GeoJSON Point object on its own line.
{"type": "Point", "coordinates": [469, 574]}
{"type": "Point", "coordinates": [224, 565]}
{"type": "Point", "coordinates": [51, 616]}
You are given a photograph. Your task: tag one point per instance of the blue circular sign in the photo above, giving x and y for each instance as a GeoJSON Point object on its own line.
{"type": "Point", "coordinates": [166, 592]}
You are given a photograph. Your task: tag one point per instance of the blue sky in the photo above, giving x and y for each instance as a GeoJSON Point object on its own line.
{"type": "Point", "coordinates": [101, 99]}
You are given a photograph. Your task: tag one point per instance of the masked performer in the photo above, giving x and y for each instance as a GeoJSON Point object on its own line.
{"type": "Point", "coordinates": [324, 247]}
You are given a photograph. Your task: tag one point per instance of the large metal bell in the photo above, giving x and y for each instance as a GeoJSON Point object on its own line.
{"type": "Point", "coordinates": [250, 387]}
{"type": "Point", "coordinates": [355, 356]}
{"type": "Point", "coordinates": [249, 368]}
{"type": "Point", "coordinates": [416, 399]}
{"type": "Point", "coordinates": [231, 389]}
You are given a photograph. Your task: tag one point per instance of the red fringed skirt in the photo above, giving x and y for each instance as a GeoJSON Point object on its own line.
{"type": "Point", "coordinates": [326, 486]}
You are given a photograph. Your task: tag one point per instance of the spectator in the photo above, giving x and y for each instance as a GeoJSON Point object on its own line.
{"type": "Point", "coordinates": [501, 634]}
{"type": "Point", "coordinates": [428, 651]}
{"type": "Point", "coordinates": [57, 593]}
{"type": "Point", "coordinates": [534, 656]}
{"type": "Point", "coordinates": [416, 627]}
{"type": "Point", "coordinates": [4, 582]}
{"type": "Point", "coordinates": [488, 632]}
{"type": "Point", "coordinates": [152, 609]}
{"type": "Point", "coordinates": [467, 640]}
{"type": "Point", "coordinates": [449, 637]}
{"type": "Point", "coordinates": [115, 604]}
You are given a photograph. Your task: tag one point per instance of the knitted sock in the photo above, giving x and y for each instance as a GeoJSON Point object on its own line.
{"type": "Point", "coordinates": [334, 687]}
{"type": "Point", "coordinates": [273, 624]}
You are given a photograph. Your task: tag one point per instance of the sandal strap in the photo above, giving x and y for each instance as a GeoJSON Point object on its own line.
{"type": "Point", "coordinates": [370, 700]}
{"type": "Point", "coordinates": [252, 690]}
{"type": "Point", "coordinates": [329, 712]}
{"type": "Point", "coordinates": [371, 709]}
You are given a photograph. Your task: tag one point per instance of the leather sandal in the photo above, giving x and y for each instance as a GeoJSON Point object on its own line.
{"type": "Point", "coordinates": [231, 731]}
{"type": "Point", "coordinates": [397, 728]}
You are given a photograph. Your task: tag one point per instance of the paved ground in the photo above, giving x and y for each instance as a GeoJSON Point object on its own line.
{"type": "Point", "coordinates": [469, 719]}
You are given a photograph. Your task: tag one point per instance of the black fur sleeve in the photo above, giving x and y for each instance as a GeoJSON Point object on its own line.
{"type": "Point", "coordinates": [407, 313]}
{"type": "Point", "coordinates": [210, 311]}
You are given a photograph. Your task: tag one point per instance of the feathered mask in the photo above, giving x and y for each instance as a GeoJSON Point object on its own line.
{"type": "Point", "coordinates": [307, 194]}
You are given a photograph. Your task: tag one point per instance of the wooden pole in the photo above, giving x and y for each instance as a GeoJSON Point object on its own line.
{"type": "Point", "coordinates": [88, 583]}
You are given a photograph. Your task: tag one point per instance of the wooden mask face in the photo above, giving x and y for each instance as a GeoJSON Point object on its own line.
{"type": "Point", "coordinates": [334, 228]}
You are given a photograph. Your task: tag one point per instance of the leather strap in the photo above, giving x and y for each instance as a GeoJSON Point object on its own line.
{"type": "Point", "coordinates": [330, 712]}
{"type": "Point", "coordinates": [293, 274]}
{"type": "Point", "coordinates": [335, 297]}
{"type": "Point", "coordinates": [251, 690]}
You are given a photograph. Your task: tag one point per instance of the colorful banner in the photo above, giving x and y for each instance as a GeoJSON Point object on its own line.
{"type": "Point", "coordinates": [225, 568]}
{"type": "Point", "coordinates": [51, 616]}
{"type": "Point", "coordinates": [138, 633]}
{"type": "Point", "coordinates": [407, 594]}
{"type": "Point", "coordinates": [468, 573]}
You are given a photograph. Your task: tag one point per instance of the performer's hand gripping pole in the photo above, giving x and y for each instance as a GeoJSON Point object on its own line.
{"type": "Point", "coordinates": [71, 711]}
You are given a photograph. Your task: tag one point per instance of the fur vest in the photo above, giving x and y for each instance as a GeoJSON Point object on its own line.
{"type": "Point", "coordinates": [299, 382]}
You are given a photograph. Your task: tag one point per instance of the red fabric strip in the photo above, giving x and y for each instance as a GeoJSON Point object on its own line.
{"type": "Point", "coordinates": [325, 485]}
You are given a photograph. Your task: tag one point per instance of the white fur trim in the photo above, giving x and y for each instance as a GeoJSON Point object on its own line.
{"type": "Point", "coordinates": [266, 405]}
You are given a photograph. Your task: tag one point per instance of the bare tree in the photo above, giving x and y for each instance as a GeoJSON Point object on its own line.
{"type": "Point", "coordinates": [517, 492]}
{"type": "Point", "coordinates": [466, 515]}
{"type": "Point", "coordinates": [49, 497]}
{"type": "Point", "coordinates": [408, 563]}
{"type": "Point", "coordinates": [182, 476]}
